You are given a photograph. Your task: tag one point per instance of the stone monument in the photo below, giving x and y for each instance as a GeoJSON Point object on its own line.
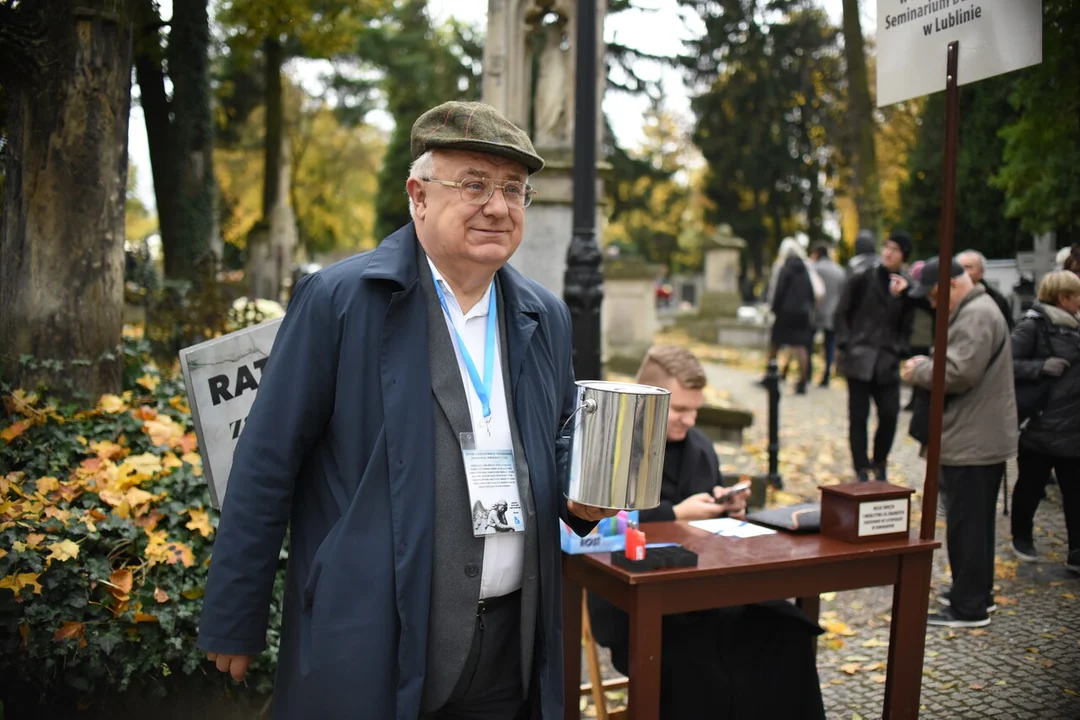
{"type": "Point", "coordinates": [628, 315]}
{"type": "Point", "coordinates": [722, 250]}
{"type": "Point", "coordinates": [529, 61]}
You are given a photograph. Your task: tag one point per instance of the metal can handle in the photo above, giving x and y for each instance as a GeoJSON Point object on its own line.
{"type": "Point", "coordinates": [588, 405]}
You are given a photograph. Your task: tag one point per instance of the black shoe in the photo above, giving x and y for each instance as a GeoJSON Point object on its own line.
{"type": "Point", "coordinates": [862, 476]}
{"type": "Point", "coordinates": [880, 473]}
{"type": "Point", "coordinates": [1025, 550]}
{"type": "Point", "coordinates": [948, 618]}
{"type": "Point", "coordinates": [800, 389]}
{"type": "Point", "coordinates": [943, 599]}
{"type": "Point", "coordinates": [1073, 563]}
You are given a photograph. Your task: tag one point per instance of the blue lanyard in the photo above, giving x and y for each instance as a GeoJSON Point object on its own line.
{"type": "Point", "coordinates": [482, 386]}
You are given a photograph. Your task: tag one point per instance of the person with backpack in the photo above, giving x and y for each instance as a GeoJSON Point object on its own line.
{"type": "Point", "coordinates": [1046, 364]}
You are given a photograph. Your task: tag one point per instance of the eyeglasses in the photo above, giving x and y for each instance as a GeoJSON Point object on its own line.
{"type": "Point", "coordinates": [477, 191]}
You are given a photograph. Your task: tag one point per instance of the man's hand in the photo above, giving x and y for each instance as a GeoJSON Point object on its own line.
{"type": "Point", "coordinates": [235, 665]}
{"type": "Point", "coordinates": [589, 512]}
{"type": "Point", "coordinates": [907, 370]}
{"type": "Point", "coordinates": [699, 507]}
{"type": "Point", "coordinates": [898, 284]}
{"type": "Point", "coordinates": [1055, 366]}
{"type": "Point", "coordinates": [734, 503]}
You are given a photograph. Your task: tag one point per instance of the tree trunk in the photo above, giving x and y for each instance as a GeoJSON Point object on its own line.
{"type": "Point", "coordinates": [180, 133]}
{"type": "Point", "coordinates": [62, 245]}
{"type": "Point", "coordinates": [193, 139]}
{"type": "Point", "coordinates": [867, 192]}
{"type": "Point", "coordinates": [274, 58]}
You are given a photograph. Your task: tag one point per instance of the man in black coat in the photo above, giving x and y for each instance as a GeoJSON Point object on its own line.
{"type": "Point", "coordinates": [744, 663]}
{"type": "Point", "coordinates": [873, 329]}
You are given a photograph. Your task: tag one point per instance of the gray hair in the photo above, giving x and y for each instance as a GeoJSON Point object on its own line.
{"type": "Point", "coordinates": [422, 167]}
{"type": "Point", "coordinates": [975, 254]}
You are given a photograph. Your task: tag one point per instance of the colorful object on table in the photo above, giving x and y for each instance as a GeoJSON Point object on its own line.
{"type": "Point", "coordinates": [635, 544]}
{"type": "Point", "coordinates": [609, 535]}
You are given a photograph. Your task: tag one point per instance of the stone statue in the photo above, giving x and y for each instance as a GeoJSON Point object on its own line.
{"type": "Point", "coordinates": [551, 103]}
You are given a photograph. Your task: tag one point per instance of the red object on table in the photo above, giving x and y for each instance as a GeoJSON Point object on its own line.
{"type": "Point", "coordinates": [635, 544]}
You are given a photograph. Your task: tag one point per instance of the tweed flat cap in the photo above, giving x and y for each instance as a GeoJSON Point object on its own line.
{"type": "Point", "coordinates": [473, 126]}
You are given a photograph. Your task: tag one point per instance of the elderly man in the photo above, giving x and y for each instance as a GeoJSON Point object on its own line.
{"type": "Point", "coordinates": [979, 434]}
{"type": "Point", "coordinates": [399, 378]}
{"type": "Point", "coordinates": [974, 264]}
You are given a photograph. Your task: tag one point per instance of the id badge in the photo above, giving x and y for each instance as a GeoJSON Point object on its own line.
{"type": "Point", "coordinates": [493, 488]}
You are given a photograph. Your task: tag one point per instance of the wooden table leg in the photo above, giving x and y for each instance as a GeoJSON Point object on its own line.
{"type": "Point", "coordinates": [645, 643]}
{"type": "Point", "coordinates": [571, 634]}
{"type": "Point", "coordinates": [811, 608]}
{"type": "Point", "coordinates": [907, 637]}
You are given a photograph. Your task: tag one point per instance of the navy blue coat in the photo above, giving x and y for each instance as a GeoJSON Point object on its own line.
{"type": "Point", "coordinates": [339, 447]}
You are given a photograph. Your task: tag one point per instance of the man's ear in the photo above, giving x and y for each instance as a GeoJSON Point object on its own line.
{"type": "Point", "coordinates": [418, 195]}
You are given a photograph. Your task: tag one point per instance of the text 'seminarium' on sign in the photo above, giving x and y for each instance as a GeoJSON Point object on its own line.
{"type": "Point", "coordinates": [995, 36]}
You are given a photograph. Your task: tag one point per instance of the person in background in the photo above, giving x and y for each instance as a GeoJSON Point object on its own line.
{"type": "Point", "coordinates": [865, 252]}
{"type": "Point", "coordinates": [793, 299]}
{"type": "Point", "coordinates": [832, 277]}
{"type": "Point", "coordinates": [873, 328]}
{"type": "Point", "coordinates": [979, 434]}
{"type": "Point", "coordinates": [1046, 362]}
{"type": "Point", "coordinates": [741, 663]}
{"type": "Point", "coordinates": [1071, 259]}
{"type": "Point", "coordinates": [974, 264]}
{"type": "Point", "coordinates": [922, 325]}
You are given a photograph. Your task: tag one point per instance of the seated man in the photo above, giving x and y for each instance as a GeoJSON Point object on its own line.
{"type": "Point", "coordinates": [747, 662]}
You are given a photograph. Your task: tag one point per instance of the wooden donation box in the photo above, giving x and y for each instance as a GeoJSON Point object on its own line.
{"type": "Point", "coordinates": [863, 512]}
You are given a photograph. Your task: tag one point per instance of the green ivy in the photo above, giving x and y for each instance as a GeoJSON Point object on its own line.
{"type": "Point", "coordinates": [71, 631]}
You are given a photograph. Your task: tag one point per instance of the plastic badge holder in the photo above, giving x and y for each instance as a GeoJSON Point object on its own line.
{"type": "Point", "coordinates": [657, 559]}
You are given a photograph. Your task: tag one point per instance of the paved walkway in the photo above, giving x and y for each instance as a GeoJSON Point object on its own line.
{"type": "Point", "coordinates": [1026, 664]}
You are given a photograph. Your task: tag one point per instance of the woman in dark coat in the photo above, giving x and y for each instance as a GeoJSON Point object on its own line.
{"type": "Point", "coordinates": [1046, 361]}
{"type": "Point", "coordinates": [793, 303]}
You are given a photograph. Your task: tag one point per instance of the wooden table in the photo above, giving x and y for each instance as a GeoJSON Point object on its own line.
{"type": "Point", "coordinates": [738, 571]}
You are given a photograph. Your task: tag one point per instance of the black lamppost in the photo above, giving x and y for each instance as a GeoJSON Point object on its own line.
{"type": "Point", "coordinates": [583, 283]}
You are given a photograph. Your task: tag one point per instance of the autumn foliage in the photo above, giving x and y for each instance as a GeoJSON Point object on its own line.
{"type": "Point", "coordinates": [105, 539]}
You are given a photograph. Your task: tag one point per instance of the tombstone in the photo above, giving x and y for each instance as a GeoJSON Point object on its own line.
{"type": "Point", "coordinates": [628, 318]}
{"type": "Point", "coordinates": [721, 297]}
{"type": "Point", "coordinates": [530, 43]}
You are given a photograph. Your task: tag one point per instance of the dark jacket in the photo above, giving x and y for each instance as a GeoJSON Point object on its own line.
{"type": "Point", "coordinates": [1002, 303]}
{"type": "Point", "coordinates": [1040, 334]}
{"type": "Point", "coordinates": [699, 472]}
{"type": "Point", "coordinates": [794, 296]}
{"type": "Point", "coordinates": [339, 447]}
{"type": "Point", "coordinates": [873, 328]}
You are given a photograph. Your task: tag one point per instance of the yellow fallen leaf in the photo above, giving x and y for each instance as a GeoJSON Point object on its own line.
{"type": "Point", "coordinates": [978, 632]}
{"type": "Point", "coordinates": [111, 404]}
{"type": "Point", "coordinates": [141, 617]}
{"type": "Point", "coordinates": [850, 668]}
{"type": "Point", "coordinates": [170, 461]}
{"type": "Point", "coordinates": [121, 582]}
{"type": "Point", "coordinates": [179, 404]}
{"type": "Point", "coordinates": [1045, 662]}
{"type": "Point", "coordinates": [195, 461]}
{"type": "Point", "coordinates": [107, 449]}
{"type": "Point", "coordinates": [838, 627]}
{"type": "Point", "coordinates": [875, 643]}
{"type": "Point", "coordinates": [828, 597]}
{"type": "Point", "coordinates": [160, 595]}
{"type": "Point", "coordinates": [1033, 650]}
{"type": "Point", "coordinates": [16, 583]}
{"type": "Point", "coordinates": [879, 678]}
{"type": "Point", "coordinates": [47, 484]}
{"type": "Point", "coordinates": [976, 686]}
{"type": "Point", "coordinates": [193, 593]}
{"type": "Point", "coordinates": [15, 430]}
{"type": "Point", "coordinates": [875, 666]}
{"type": "Point", "coordinates": [948, 686]}
{"type": "Point", "coordinates": [164, 430]}
{"type": "Point", "coordinates": [3, 552]}
{"type": "Point", "coordinates": [18, 546]}
{"type": "Point", "coordinates": [63, 550]}
{"type": "Point", "coordinates": [200, 522]}
{"type": "Point", "coordinates": [1068, 596]}
{"type": "Point", "coordinates": [149, 382]}
{"type": "Point", "coordinates": [1071, 692]}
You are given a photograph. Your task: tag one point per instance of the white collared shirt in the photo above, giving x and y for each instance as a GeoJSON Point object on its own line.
{"type": "Point", "coordinates": [504, 553]}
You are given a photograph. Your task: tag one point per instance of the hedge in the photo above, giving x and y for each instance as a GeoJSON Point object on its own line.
{"type": "Point", "coordinates": [106, 533]}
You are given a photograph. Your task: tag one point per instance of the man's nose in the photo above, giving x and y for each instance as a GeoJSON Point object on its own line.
{"type": "Point", "coordinates": [496, 206]}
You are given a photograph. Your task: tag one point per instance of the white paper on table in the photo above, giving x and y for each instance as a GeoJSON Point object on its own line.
{"type": "Point", "coordinates": [730, 527]}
